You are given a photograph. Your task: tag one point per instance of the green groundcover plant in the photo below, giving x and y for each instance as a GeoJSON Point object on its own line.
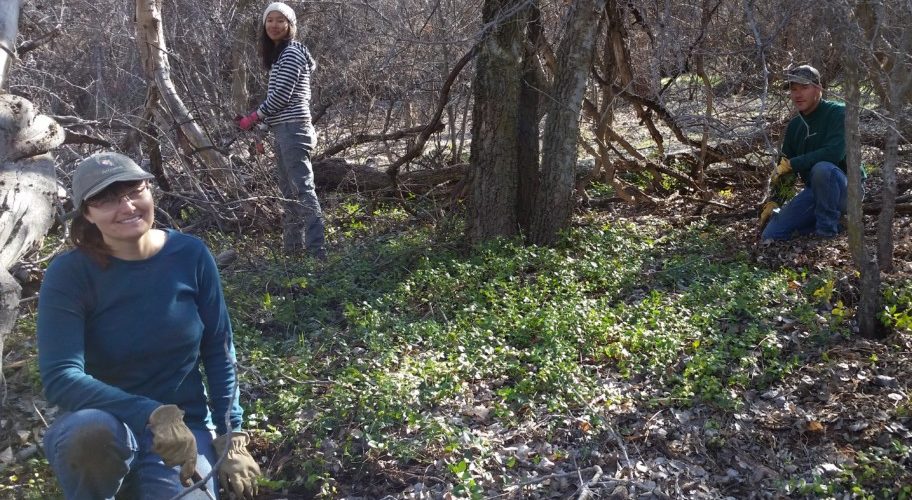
{"type": "Point", "coordinates": [404, 339]}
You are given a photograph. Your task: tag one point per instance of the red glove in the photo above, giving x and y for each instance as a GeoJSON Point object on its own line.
{"type": "Point", "coordinates": [247, 122]}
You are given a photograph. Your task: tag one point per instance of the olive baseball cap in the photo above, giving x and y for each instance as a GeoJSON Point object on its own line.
{"type": "Point", "coordinates": [804, 74]}
{"type": "Point", "coordinates": [99, 171]}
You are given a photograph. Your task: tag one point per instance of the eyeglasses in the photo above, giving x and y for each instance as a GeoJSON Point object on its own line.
{"type": "Point", "coordinates": [111, 201]}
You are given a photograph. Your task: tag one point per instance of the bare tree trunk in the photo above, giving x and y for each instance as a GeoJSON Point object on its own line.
{"type": "Point", "coordinates": [28, 188]}
{"type": "Point", "coordinates": [699, 169]}
{"type": "Point", "coordinates": [9, 26]}
{"type": "Point", "coordinates": [530, 93]}
{"type": "Point", "coordinates": [154, 52]}
{"type": "Point", "coordinates": [27, 177]}
{"type": "Point", "coordinates": [239, 94]}
{"type": "Point", "coordinates": [870, 304]}
{"type": "Point", "coordinates": [888, 195]}
{"type": "Point", "coordinates": [554, 199]}
{"type": "Point", "coordinates": [889, 71]}
{"type": "Point", "coordinates": [899, 84]}
{"type": "Point", "coordinates": [495, 139]}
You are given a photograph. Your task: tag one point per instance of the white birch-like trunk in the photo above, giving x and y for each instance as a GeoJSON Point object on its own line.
{"type": "Point", "coordinates": [28, 188]}
{"type": "Point", "coordinates": [9, 22]}
{"type": "Point", "coordinates": [154, 53]}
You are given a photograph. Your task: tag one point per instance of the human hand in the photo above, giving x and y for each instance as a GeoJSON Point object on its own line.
{"type": "Point", "coordinates": [172, 440]}
{"type": "Point", "coordinates": [766, 212]}
{"type": "Point", "coordinates": [238, 470]}
{"type": "Point", "coordinates": [784, 167]}
{"type": "Point", "coordinates": [247, 122]}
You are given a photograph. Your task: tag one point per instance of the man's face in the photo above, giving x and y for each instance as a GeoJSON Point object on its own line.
{"type": "Point", "coordinates": [805, 97]}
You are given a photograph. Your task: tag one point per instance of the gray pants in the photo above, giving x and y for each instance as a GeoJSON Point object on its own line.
{"type": "Point", "coordinates": [303, 219]}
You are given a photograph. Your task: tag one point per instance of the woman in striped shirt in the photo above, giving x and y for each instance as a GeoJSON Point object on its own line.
{"type": "Point", "coordinates": [287, 112]}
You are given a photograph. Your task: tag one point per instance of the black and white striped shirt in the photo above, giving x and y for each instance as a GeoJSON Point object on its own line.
{"type": "Point", "coordinates": [288, 97]}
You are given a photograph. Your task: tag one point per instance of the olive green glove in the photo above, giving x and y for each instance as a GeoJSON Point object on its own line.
{"type": "Point", "coordinates": [172, 440]}
{"type": "Point", "coordinates": [766, 212]}
{"type": "Point", "coordinates": [784, 167]}
{"type": "Point", "coordinates": [238, 469]}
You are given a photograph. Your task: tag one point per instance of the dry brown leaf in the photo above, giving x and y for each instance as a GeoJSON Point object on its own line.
{"type": "Point", "coordinates": [814, 426]}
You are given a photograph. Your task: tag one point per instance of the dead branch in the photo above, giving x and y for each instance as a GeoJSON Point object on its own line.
{"type": "Point", "coordinates": [357, 139]}
{"type": "Point", "coordinates": [30, 45]}
{"type": "Point", "coordinates": [442, 100]}
{"type": "Point", "coordinates": [77, 138]}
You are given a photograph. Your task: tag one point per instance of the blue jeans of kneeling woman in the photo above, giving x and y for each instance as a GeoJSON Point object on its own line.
{"type": "Point", "coordinates": [96, 456]}
{"type": "Point", "coordinates": [816, 209]}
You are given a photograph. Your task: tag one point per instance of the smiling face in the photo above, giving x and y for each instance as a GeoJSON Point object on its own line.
{"type": "Point", "coordinates": [805, 97]}
{"type": "Point", "coordinates": [277, 26]}
{"type": "Point", "coordinates": [123, 212]}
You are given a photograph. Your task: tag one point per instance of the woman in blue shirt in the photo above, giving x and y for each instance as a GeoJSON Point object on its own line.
{"type": "Point", "coordinates": [125, 322]}
{"type": "Point", "coordinates": [287, 112]}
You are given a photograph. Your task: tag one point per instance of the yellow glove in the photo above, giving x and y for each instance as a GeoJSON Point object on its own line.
{"type": "Point", "coordinates": [238, 469]}
{"type": "Point", "coordinates": [766, 212]}
{"type": "Point", "coordinates": [172, 440]}
{"type": "Point", "coordinates": [784, 167]}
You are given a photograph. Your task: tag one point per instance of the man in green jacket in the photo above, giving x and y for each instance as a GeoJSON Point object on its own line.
{"type": "Point", "coordinates": [814, 148]}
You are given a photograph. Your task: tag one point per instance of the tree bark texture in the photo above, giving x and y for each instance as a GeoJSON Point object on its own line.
{"type": "Point", "coordinates": [28, 187]}
{"type": "Point", "coordinates": [240, 96]}
{"type": "Point", "coordinates": [888, 195]}
{"type": "Point", "coordinates": [495, 137]}
{"type": "Point", "coordinates": [529, 98]}
{"type": "Point", "coordinates": [554, 199]}
{"type": "Point", "coordinates": [871, 301]}
{"type": "Point", "coordinates": [154, 53]}
{"type": "Point", "coordinates": [899, 82]}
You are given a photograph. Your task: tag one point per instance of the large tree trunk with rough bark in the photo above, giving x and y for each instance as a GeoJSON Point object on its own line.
{"type": "Point", "coordinates": [533, 85]}
{"type": "Point", "coordinates": [154, 53]}
{"type": "Point", "coordinates": [27, 176]}
{"type": "Point", "coordinates": [28, 188]}
{"type": "Point", "coordinates": [495, 138]}
{"type": "Point", "coordinates": [554, 199]}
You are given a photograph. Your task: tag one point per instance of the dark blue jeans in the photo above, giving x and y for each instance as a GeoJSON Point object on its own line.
{"type": "Point", "coordinates": [303, 218]}
{"type": "Point", "coordinates": [816, 209]}
{"type": "Point", "coordinates": [96, 456]}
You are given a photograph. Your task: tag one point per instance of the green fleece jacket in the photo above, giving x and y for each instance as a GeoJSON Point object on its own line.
{"type": "Point", "coordinates": [819, 136]}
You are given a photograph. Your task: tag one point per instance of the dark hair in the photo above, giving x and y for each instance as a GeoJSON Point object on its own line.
{"type": "Point", "coordinates": [86, 236]}
{"type": "Point", "coordinates": [269, 50]}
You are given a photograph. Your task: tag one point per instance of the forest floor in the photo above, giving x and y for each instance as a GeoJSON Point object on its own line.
{"type": "Point", "coordinates": [656, 352]}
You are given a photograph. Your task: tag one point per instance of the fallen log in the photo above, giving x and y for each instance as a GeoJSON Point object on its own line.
{"type": "Point", "coordinates": [874, 209]}
{"type": "Point", "coordinates": [336, 174]}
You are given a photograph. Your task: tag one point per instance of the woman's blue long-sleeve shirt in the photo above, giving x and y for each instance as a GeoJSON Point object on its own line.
{"type": "Point", "coordinates": [131, 337]}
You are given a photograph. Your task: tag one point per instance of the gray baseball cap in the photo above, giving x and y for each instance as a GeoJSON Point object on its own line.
{"type": "Point", "coordinates": [804, 74]}
{"type": "Point", "coordinates": [99, 171]}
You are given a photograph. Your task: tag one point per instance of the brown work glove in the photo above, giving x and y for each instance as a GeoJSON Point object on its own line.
{"type": "Point", "coordinates": [172, 440]}
{"type": "Point", "coordinates": [784, 167]}
{"type": "Point", "coordinates": [766, 212]}
{"type": "Point", "coordinates": [238, 469]}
